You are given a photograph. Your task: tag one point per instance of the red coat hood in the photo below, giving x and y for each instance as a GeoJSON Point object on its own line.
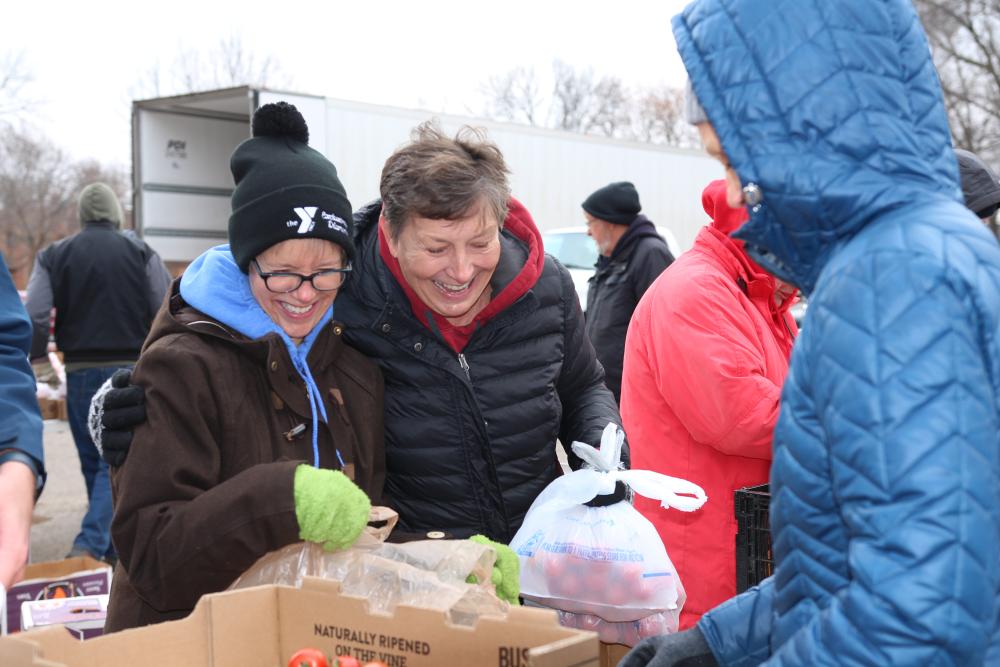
{"type": "Point", "coordinates": [724, 218]}
{"type": "Point", "coordinates": [725, 221]}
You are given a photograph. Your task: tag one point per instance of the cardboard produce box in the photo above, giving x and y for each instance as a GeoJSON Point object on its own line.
{"type": "Point", "coordinates": [51, 580]}
{"type": "Point", "coordinates": [53, 408]}
{"type": "Point", "coordinates": [264, 626]}
{"type": "Point", "coordinates": [49, 408]}
{"type": "Point", "coordinates": [82, 615]}
{"type": "Point", "coordinates": [612, 654]}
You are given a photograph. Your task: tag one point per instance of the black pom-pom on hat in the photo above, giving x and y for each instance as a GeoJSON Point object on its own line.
{"type": "Point", "coordinates": [280, 119]}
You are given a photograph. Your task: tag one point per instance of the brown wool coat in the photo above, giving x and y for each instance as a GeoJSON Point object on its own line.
{"type": "Point", "coordinates": [207, 488]}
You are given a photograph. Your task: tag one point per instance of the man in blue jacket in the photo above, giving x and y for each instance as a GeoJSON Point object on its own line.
{"type": "Point", "coordinates": [885, 508]}
{"type": "Point", "coordinates": [22, 473]}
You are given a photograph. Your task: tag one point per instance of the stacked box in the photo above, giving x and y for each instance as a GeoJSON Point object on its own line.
{"type": "Point", "coordinates": [754, 560]}
{"type": "Point", "coordinates": [71, 577]}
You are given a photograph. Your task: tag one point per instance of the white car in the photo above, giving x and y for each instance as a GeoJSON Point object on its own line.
{"type": "Point", "coordinates": [578, 253]}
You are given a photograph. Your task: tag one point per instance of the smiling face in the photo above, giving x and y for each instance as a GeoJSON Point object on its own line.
{"type": "Point", "coordinates": [299, 311]}
{"type": "Point", "coordinates": [710, 140]}
{"type": "Point", "coordinates": [449, 263]}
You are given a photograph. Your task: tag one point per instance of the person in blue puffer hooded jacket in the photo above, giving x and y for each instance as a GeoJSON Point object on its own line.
{"type": "Point", "coordinates": [885, 507]}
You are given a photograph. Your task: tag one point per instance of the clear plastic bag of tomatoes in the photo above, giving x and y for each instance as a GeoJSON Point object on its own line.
{"type": "Point", "coordinates": [431, 574]}
{"type": "Point", "coordinates": [602, 561]}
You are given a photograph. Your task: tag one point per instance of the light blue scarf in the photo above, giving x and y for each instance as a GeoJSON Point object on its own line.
{"type": "Point", "coordinates": [214, 284]}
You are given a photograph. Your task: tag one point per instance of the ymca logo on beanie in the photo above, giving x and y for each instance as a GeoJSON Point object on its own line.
{"type": "Point", "coordinates": [284, 189]}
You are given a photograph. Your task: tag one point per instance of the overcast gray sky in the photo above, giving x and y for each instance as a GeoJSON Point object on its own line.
{"type": "Point", "coordinates": [87, 57]}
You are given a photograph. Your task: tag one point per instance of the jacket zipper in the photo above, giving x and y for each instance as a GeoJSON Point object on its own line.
{"type": "Point", "coordinates": [784, 321]}
{"type": "Point", "coordinates": [464, 364]}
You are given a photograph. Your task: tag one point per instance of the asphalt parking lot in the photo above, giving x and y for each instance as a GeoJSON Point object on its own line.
{"type": "Point", "coordinates": [63, 502]}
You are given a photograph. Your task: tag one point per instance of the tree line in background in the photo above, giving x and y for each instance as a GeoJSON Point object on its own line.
{"type": "Point", "coordinates": [577, 100]}
{"type": "Point", "coordinates": [39, 186]}
{"type": "Point", "coordinates": [965, 40]}
{"type": "Point", "coordinates": [39, 183]}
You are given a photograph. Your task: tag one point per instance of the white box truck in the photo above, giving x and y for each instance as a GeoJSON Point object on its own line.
{"type": "Point", "coordinates": [182, 183]}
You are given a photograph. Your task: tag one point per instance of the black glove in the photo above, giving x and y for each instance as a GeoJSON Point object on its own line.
{"type": "Point", "coordinates": [620, 493]}
{"type": "Point", "coordinates": [124, 409]}
{"type": "Point", "coordinates": [684, 649]}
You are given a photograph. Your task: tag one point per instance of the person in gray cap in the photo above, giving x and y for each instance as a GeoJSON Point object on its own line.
{"type": "Point", "coordinates": [105, 285]}
{"type": "Point", "coordinates": [980, 186]}
{"type": "Point", "coordinates": [632, 255]}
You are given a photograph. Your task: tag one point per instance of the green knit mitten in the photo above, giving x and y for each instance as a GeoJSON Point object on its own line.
{"type": "Point", "coordinates": [331, 509]}
{"type": "Point", "coordinates": [506, 570]}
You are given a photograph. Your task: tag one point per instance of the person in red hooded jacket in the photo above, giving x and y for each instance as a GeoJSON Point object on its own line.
{"type": "Point", "coordinates": [705, 356]}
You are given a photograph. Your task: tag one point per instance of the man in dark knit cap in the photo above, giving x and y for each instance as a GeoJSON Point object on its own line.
{"type": "Point", "coordinates": [980, 186]}
{"type": "Point", "coordinates": [105, 285]}
{"type": "Point", "coordinates": [632, 255]}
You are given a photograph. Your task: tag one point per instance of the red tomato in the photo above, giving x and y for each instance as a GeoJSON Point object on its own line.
{"type": "Point", "coordinates": [570, 587]}
{"type": "Point", "coordinates": [652, 626]}
{"type": "Point", "coordinates": [630, 575]}
{"type": "Point", "coordinates": [552, 569]}
{"type": "Point", "coordinates": [594, 585]}
{"type": "Point", "coordinates": [617, 596]}
{"type": "Point", "coordinates": [308, 657]}
{"type": "Point", "coordinates": [346, 661]}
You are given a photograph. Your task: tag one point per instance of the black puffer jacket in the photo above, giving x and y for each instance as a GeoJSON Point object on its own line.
{"type": "Point", "coordinates": [470, 439]}
{"type": "Point", "coordinates": [615, 289]}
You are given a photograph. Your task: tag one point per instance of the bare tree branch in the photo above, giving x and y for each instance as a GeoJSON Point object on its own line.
{"type": "Point", "coordinates": [14, 78]}
{"type": "Point", "coordinates": [964, 37]}
{"type": "Point", "coordinates": [659, 119]}
{"type": "Point", "coordinates": [582, 102]}
{"type": "Point", "coordinates": [229, 64]}
{"type": "Point", "coordinates": [513, 96]}
{"type": "Point", "coordinates": [39, 187]}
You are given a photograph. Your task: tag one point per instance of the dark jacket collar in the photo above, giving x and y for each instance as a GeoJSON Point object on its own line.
{"type": "Point", "coordinates": [640, 228]}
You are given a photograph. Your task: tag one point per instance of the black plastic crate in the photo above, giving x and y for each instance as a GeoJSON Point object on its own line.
{"type": "Point", "coordinates": [754, 560]}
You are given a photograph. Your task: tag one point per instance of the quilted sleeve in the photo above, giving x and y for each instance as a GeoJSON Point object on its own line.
{"type": "Point", "coordinates": [739, 630]}
{"type": "Point", "coordinates": [20, 422]}
{"type": "Point", "coordinates": [908, 405]}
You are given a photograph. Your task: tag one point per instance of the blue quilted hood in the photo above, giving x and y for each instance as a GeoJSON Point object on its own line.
{"type": "Point", "coordinates": [847, 125]}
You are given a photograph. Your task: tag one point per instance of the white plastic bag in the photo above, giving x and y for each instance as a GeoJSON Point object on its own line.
{"type": "Point", "coordinates": [607, 561]}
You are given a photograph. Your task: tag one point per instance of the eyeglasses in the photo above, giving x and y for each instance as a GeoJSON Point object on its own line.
{"type": "Point", "coordinates": [321, 281]}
